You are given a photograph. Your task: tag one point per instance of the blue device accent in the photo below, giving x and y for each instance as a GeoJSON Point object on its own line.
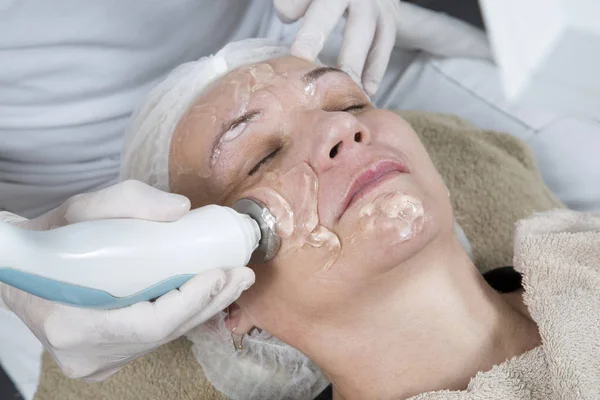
{"type": "Point", "coordinates": [80, 296]}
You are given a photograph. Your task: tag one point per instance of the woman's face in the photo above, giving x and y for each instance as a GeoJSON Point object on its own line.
{"type": "Point", "coordinates": [352, 187]}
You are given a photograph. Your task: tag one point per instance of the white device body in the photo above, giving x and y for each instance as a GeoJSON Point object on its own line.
{"type": "Point", "coordinates": [125, 256]}
{"type": "Point", "coordinates": [548, 53]}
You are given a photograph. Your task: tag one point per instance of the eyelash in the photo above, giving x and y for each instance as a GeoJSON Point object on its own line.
{"type": "Point", "coordinates": [256, 168]}
{"type": "Point", "coordinates": [263, 162]}
{"type": "Point", "coordinates": [354, 107]}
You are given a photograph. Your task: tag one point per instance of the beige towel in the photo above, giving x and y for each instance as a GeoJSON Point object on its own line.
{"type": "Point", "coordinates": [493, 183]}
{"type": "Point", "coordinates": [558, 254]}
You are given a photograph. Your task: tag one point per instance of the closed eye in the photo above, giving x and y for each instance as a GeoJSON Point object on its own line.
{"type": "Point", "coordinates": [354, 107]}
{"type": "Point", "coordinates": [264, 161]}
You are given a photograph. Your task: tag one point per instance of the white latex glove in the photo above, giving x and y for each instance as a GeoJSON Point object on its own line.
{"type": "Point", "coordinates": [372, 29]}
{"type": "Point", "coordinates": [94, 344]}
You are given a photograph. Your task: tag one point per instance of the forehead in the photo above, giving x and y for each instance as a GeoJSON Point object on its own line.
{"type": "Point", "coordinates": [239, 83]}
{"type": "Point", "coordinates": [290, 66]}
{"type": "Point", "coordinates": [229, 96]}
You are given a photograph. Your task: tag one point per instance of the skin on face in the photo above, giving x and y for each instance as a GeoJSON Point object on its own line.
{"type": "Point", "coordinates": [327, 127]}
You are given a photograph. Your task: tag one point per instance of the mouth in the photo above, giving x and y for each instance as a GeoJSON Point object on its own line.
{"type": "Point", "coordinates": [367, 180]}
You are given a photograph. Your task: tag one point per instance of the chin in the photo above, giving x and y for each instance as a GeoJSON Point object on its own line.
{"type": "Point", "coordinates": [367, 256]}
{"type": "Point", "coordinates": [379, 245]}
{"type": "Point", "coordinates": [395, 252]}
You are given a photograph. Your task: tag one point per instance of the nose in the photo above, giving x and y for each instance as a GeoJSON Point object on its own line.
{"type": "Point", "coordinates": [340, 135]}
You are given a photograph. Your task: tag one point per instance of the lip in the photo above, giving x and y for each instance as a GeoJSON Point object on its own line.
{"type": "Point", "coordinates": [370, 178]}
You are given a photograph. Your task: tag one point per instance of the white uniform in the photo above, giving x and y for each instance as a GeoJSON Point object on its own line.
{"type": "Point", "coordinates": [71, 72]}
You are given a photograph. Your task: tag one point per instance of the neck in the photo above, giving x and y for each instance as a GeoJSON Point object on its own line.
{"type": "Point", "coordinates": [441, 325]}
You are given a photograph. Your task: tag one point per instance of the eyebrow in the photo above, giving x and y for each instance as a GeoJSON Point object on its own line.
{"type": "Point", "coordinates": [232, 124]}
{"type": "Point", "coordinates": [318, 72]}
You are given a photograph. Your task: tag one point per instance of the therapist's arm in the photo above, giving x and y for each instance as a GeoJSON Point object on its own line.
{"type": "Point", "coordinates": [94, 344]}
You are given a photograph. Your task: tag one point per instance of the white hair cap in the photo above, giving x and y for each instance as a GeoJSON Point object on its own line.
{"type": "Point", "coordinates": [264, 369]}
{"type": "Point", "coordinates": [145, 156]}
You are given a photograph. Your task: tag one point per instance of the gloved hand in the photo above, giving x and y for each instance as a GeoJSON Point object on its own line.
{"type": "Point", "coordinates": [94, 344]}
{"type": "Point", "coordinates": [372, 29]}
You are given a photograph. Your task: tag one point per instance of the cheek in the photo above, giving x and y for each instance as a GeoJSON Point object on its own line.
{"type": "Point", "coordinates": [395, 132]}
{"type": "Point", "coordinates": [262, 302]}
{"type": "Point", "coordinates": [288, 297]}
{"type": "Point", "coordinates": [292, 199]}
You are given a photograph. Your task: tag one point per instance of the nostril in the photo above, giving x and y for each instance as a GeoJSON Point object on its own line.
{"type": "Point", "coordinates": [357, 137]}
{"type": "Point", "coordinates": [333, 152]}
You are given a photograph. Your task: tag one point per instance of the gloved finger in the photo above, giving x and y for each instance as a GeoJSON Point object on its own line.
{"type": "Point", "coordinates": [96, 364]}
{"type": "Point", "coordinates": [14, 299]}
{"type": "Point", "coordinates": [128, 199]}
{"type": "Point", "coordinates": [11, 218]}
{"type": "Point", "coordinates": [199, 297]}
{"type": "Point", "coordinates": [146, 322]}
{"type": "Point", "coordinates": [291, 10]}
{"type": "Point", "coordinates": [14, 219]}
{"type": "Point", "coordinates": [238, 280]}
{"type": "Point", "coordinates": [4, 303]}
{"type": "Point", "coordinates": [103, 370]}
{"type": "Point", "coordinates": [79, 363]}
{"type": "Point", "coordinates": [358, 37]}
{"type": "Point", "coordinates": [321, 18]}
{"type": "Point", "coordinates": [104, 374]}
{"type": "Point", "coordinates": [379, 55]}
{"type": "Point", "coordinates": [30, 309]}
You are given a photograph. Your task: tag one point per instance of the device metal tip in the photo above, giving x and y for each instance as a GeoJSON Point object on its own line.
{"type": "Point", "coordinates": [269, 240]}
